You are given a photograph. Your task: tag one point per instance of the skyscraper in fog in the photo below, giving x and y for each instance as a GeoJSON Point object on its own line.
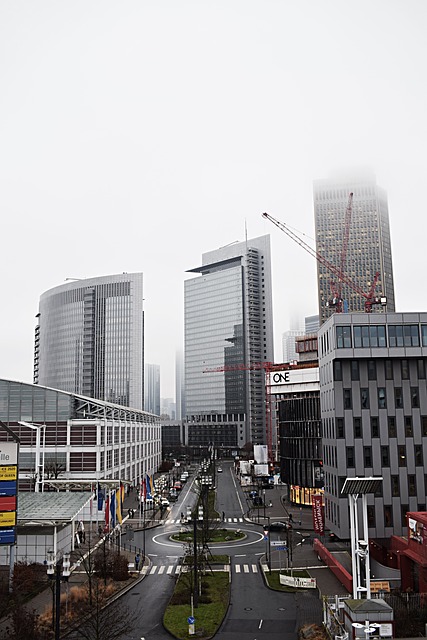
{"type": "Point", "coordinates": [90, 339]}
{"type": "Point", "coordinates": [152, 389]}
{"type": "Point", "coordinates": [369, 246]}
{"type": "Point", "coordinates": [228, 326]}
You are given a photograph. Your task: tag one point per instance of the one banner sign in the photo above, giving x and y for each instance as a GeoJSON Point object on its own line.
{"type": "Point", "coordinates": [318, 519]}
{"type": "Point", "coordinates": [300, 583]}
{"type": "Point", "coordinates": [7, 536]}
{"type": "Point", "coordinates": [8, 453]}
{"type": "Point", "coordinates": [277, 543]}
{"type": "Point", "coordinates": [8, 473]}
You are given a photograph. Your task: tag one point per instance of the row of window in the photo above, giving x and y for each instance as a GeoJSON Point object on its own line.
{"type": "Point", "coordinates": [372, 336]}
{"type": "Point", "coordinates": [381, 398]}
{"type": "Point", "coordinates": [385, 456]}
{"type": "Point", "coordinates": [375, 429]}
{"type": "Point", "coordinates": [374, 369]}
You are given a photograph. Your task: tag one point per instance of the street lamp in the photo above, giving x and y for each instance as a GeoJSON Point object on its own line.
{"type": "Point", "coordinates": [37, 428]}
{"type": "Point", "coordinates": [60, 571]}
{"type": "Point", "coordinates": [368, 627]}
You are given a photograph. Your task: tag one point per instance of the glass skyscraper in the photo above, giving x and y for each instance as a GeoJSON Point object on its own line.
{"type": "Point", "coordinates": [369, 245]}
{"type": "Point", "coordinates": [228, 328]}
{"type": "Point", "coordinates": [90, 339]}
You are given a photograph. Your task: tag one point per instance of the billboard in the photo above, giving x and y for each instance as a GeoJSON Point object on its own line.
{"type": "Point", "coordinates": [318, 517]}
{"type": "Point", "coordinates": [8, 491]}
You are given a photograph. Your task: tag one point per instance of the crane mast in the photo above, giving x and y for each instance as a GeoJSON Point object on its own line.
{"type": "Point", "coordinates": [370, 298]}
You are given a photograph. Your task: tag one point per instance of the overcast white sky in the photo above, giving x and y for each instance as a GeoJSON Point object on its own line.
{"type": "Point", "coordinates": [136, 135]}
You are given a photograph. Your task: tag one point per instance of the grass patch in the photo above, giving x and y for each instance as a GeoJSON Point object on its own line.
{"type": "Point", "coordinates": [273, 580]}
{"type": "Point", "coordinates": [216, 535]}
{"type": "Point", "coordinates": [213, 603]}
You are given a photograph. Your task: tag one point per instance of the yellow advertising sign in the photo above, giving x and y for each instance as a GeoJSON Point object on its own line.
{"type": "Point", "coordinates": [8, 473]}
{"type": "Point", "coordinates": [377, 586]}
{"type": "Point", "coordinates": [7, 518]}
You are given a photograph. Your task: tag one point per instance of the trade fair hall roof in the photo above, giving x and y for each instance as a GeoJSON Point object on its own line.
{"type": "Point", "coordinates": [51, 507]}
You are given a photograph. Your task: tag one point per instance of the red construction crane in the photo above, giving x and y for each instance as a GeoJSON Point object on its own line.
{"type": "Point", "coordinates": [370, 298]}
{"type": "Point", "coordinates": [267, 367]}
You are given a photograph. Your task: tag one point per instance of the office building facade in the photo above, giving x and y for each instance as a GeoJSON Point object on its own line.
{"type": "Point", "coordinates": [228, 336]}
{"type": "Point", "coordinates": [369, 245]}
{"type": "Point", "coordinates": [90, 339]}
{"type": "Point", "coordinates": [152, 389]}
{"type": "Point", "coordinates": [373, 397]}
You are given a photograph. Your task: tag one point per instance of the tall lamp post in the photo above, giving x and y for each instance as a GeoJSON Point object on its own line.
{"type": "Point", "coordinates": [39, 474]}
{"type": "Point", "coordinates": [356, 488]}
{"type": "Point", "coordinates": [59, 570]}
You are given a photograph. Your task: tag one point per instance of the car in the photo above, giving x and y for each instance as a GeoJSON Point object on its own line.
{"type": "Point", "coordinates": [219, 470]}
{"type": "Point", "coordinates": [253, 494]}
{"type": "Point", "coordinates": [177, 486]}
{"type": "Point", "coordinates": [164, 502]}
{"type": "Point", "coordinates": [279, 526]}
{"type": "Point", "coordinates": [258, 501]}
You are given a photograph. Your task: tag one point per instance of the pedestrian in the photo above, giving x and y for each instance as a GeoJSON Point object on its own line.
{"type": "Point", "coordinates": [137, 559]}
{"type": "Point", "coordinates": [100, 529]}
{"type": "Point", "coordinates": [132, 513]}
{"type": "Point", "coordinates": [223, 516]}
{"type": "Point", "coordinates": [291, 519]}
{"type": "Point", "coordinates": [270, 504]}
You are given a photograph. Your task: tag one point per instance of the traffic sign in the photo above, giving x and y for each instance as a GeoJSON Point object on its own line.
{"type": "Point", "coordinates": [191, 620]}
{"type": "Point", "coordinates": [277, 543]}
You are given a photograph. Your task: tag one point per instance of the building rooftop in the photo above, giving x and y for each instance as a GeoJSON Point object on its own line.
{"type": "Point", "coordinates": [51, 507]}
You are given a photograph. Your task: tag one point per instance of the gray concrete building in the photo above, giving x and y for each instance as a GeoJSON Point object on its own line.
{"type": "Point", "coordinates": [369, 245]}
{"type": "Point", "coordinates": [152, 389]}
{"type": "Point", "coordinates": [373, 396]}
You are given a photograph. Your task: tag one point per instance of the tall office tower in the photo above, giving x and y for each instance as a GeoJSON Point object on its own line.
{"type": "Point", "coordinates": [152, 389]}
{"type": "Point", "coordinates": [229, 327]}
{"type": "Point", "coordinates": [90, 339]}
{"type": "Point", "coordinates": [180, 385]}
{"type": "Point", "coordinates": [369, 246]}
{"type": "Point", "coordinates": [289, 352]}
{"type": "Point", "coordinates": [311, 324]}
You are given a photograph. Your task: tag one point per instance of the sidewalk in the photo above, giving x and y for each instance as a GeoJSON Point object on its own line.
{"type": "Point", "coordinates": [303, 555]}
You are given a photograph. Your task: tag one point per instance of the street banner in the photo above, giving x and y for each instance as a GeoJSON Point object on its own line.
{"type": "Point", "coordinates": [318, 517]}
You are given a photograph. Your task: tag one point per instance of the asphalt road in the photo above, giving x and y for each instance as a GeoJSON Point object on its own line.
{"type": "Point", "coordinates": [255, 612]}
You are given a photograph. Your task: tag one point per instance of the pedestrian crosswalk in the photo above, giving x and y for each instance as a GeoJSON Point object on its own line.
{"type": "Point", "coordinates": [227, 520]}
{"type": "Point", "coordinates": [175, 570]}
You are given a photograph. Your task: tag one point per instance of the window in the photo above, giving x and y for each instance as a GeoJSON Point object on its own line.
{"type": "Point", "coordinates": [403, 335]}
{"type": "Point", "coordinates": [404, 364]}
{"type": "Point", "coordinates": [395, 489]}
{"type": "Point", "coordinates": [404, 508]}
{"type": "Point", "coordinates": [350, 456]}
{"type": "Point", "coordinates": [388, 370]}
{"type": "Point", "coordinates": [421, 369]}
{"type": "Point", "coordinates": [398, 398]}
{"type": "Point", "coordinates": [392, 432]}
{"type": "Point", "coordinates": [337, 370]}
{"type": "Point", "coordinates": [382, 404]}
{"type": "Point", "coordinates": [415, 398]}
{"type": "Point", "coordinates": [424, 335]}
{"type": "Point", "coordinates": [412, 485]}
{"type": "Point", "coordinates": [347, 399]}
{"type": "Point", "coordinates": [424, 425]}
{"type": "Point", "coordinates": [370, 511]}
{"type": "Point", "coordinates": [375, 432]}
{"type": "Point", "coordinates": [354, 370]}
{"type": "Point", "coordinates": [388, 515]}
{"type": "Point", "coordinates": [367, 456]}
{"type": "Point", "coordinates": [401, 455]}
{"type": "Point", "coordinates": [364, 398]}
{"type": "Point", "coordinates": [409, 432]}
{"type": "Point", "coordinates": [385, 457]}
{"type": "Point", "coordinates": [369, 336]}
{"type": "Point", "coordinates": [418, 455]}
{"type": "Point", "coordinates": [343, 337]}
{"type": "Point", "coordinates": [372, 370]}
{"type": "Point", "coordinates": [357, 427]}
{"type": "Point", "coordinates": [340, 427]}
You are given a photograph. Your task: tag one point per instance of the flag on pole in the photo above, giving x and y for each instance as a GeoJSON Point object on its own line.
{"type": "Point", "coordinates": [113, 509]}
{"type": "Point", "coordinates": [119, 506]}
{"type": "Point", "coordinates": [107, 512]}
{"type": "Point", "coordinates": [149, 495]}
{"type": "Point", "coordinates": [101, 497]}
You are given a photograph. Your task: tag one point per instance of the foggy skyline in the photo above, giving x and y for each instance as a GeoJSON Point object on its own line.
{"type": "Point", "coordinates": [136, 136]}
